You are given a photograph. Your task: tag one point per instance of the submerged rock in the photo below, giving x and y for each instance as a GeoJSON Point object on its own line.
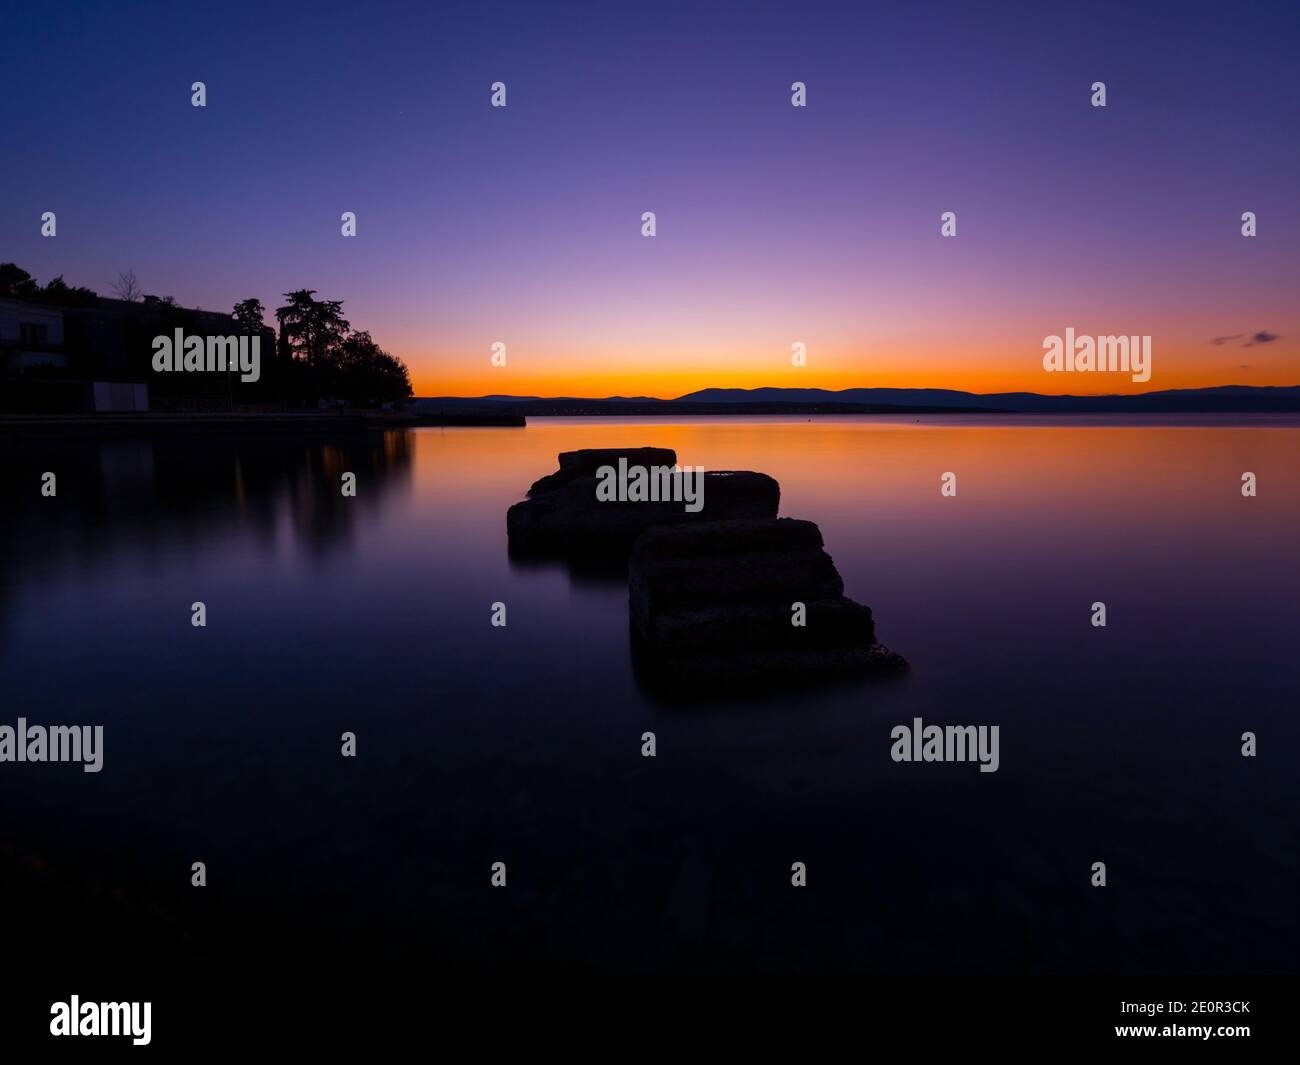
{"type": "Point", "coordinates": [563, 513]}
{"type": "Point", "coordinates": [715, 603]}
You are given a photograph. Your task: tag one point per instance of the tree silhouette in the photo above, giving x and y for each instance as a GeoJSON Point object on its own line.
{"type": "Point", "coordinates": [311, 329]}
{"type": "Point", "coordinates": [249, 314]}
{"type": "Point", "coordinates": [127, 287]}
{"type": "Point", "coordinates": [16, 282]}
{"type": "Point", "coordinates": [325, 359]}
{"type": "Point", "coordinates": [368, 375]}
{"type": "Point", "coordinates": [59, 291]}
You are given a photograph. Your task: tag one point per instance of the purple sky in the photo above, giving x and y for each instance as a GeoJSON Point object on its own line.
{"type": "Point", "coordinates": [775, 224]}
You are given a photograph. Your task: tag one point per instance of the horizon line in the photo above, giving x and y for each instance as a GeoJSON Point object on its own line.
{"type": "Point", "coordinates": [854, 388]}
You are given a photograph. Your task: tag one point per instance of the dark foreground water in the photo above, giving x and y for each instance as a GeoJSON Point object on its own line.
{"type": "Point", "coordinates": [522, 745]}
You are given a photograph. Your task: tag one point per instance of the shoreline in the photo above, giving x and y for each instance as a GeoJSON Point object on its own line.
{"type": "Point", "coordinates": [200, 424]}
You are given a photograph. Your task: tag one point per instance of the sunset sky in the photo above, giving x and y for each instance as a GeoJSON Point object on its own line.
{"type": "Point", "coordinates": [775, 224]}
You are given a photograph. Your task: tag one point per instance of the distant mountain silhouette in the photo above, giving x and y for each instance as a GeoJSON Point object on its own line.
{"type": "Point", "coordinates": [567, 399]}
{"type": "Point", "coordinates": [1221, 399]}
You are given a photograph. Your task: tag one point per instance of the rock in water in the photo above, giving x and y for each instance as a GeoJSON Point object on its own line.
{"type": "Point", "coordinates": [585, 463]}
{"type": "Point", "coordinates": [563, 514]}
{"type": "Point", "coordinates": [714, 603]}
{"type": "Point", "coordinates": [713, 588]}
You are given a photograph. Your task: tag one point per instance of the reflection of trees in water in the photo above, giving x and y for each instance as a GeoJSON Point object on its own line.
{"type": "Point", "coordinates": [180, 495]}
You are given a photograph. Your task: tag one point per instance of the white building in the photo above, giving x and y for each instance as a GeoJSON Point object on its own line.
{"type": "Point", "coordinates": [37, 372]}
{"type": "Point", "coordinates": [31, 335]}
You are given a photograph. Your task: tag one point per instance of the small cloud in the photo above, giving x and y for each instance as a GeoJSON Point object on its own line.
{"type": "Point", "coordinates": [1261, 338]}
{"type": "Point", "coordinates": [1244, 366]}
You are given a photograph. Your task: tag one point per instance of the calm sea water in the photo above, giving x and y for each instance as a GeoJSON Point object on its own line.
{"type": "Point", "coordinates": [480, 744]}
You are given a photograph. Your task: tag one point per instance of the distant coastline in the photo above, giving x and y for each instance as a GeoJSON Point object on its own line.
{"type": "Point", "coordinates": [514, 411]}
{"type": "Point", "coordinates": [715, 402]}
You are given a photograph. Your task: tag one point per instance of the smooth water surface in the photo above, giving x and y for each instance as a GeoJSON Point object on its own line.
{"type": "Point", "coordinates": [522, 744]}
